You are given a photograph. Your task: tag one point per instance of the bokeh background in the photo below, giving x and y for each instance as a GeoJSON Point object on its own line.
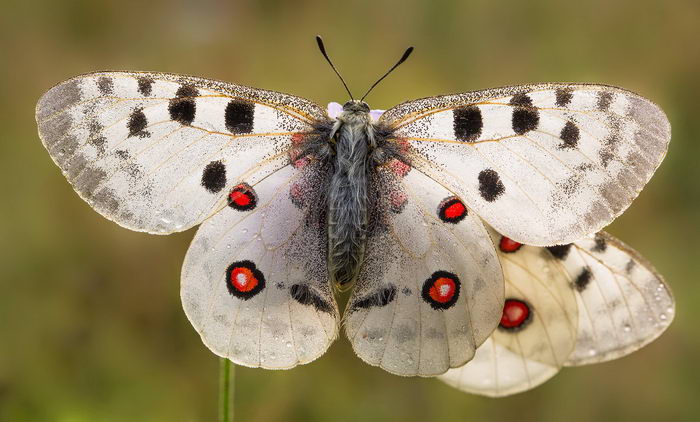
{"type": "Point", "coordinates": [91, 326]}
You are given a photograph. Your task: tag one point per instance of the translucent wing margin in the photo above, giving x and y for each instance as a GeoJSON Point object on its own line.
{"type": "Point", "coordinates": [543, 164]}
{"type": "Point", "coordinates": [154, 151]}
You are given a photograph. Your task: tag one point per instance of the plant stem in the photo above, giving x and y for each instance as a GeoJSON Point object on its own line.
{"type": "Point", "coordinates": [226, 384]}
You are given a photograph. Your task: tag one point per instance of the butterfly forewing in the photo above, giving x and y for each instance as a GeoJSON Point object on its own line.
{"type": "Point", "coordinates": [156, 152]}
{"type": "Point", "coordinates": [430, 289]}
{"type": "Point", "coordinates": [543, 164]}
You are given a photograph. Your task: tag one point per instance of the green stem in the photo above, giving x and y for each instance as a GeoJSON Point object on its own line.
{"type": "Point", "coordinates": [226, 384]}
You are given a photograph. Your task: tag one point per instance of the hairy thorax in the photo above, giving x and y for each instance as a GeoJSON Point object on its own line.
{"type": "Point", "coordinates": [360, 147]}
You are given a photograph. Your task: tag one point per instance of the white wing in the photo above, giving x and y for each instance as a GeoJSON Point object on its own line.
{"type": "Point", "coordinates": [255, 282]}
{"type": "Point", "coordinates": [156, 152]}
{"type": "Point", "coordinates": [537, 332]}
{"type": "Point", "coordinates": [543, 164]}
{"type": "Point", "coordinates": [430, 289]}
{"type": "Point", "coordinates": [622, 305]}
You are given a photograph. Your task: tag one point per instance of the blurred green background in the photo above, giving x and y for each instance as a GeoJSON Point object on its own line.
{"type": "Point", "coordinates": [91, 323]}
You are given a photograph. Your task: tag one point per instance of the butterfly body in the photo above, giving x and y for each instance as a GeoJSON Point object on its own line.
{"type": "Point", "coordinates": [356, 141]}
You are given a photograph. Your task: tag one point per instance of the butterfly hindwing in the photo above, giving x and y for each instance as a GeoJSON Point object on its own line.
{"type": "Point", "coordinates": [543, 164]}
{"type": "Point", "coordinates": [624, 304]}
{"type": "Point", "coordinates": [156, 152]}
{"type": "Point", "coordinates": [430, 288]}
{"type": "Point", "coordinates": [537, 332]}
{"type": "Point", "coordinates": [619, 303]}
{"type": "Point", "coordinates": [255, 282]}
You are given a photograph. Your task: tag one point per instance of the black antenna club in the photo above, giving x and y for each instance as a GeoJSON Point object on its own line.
{"type": "Point", "coordinates": [321, 47]}
{"type": "Point", "coordinates": [403, 58]}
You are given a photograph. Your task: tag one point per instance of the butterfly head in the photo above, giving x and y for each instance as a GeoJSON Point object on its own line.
{"type": "Point", "coordinates": [356, 106]}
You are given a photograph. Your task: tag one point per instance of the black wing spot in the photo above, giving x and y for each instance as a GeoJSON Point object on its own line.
{"type": "Point", "coordinates": [214, 177]}
{"type": "Point", "coordinates": [380, 298]}
{"type": "Point", "coordinates": [182, 108]}
{"type": "Point", "coordinates": [570, 135]}
{"type": "Point", "coordinates": [583, 279]}
{"type": "Point", "coordinates": [467, 123]}
{"type": "Point", "coordinates": [303, 294]}
{"type": "Point", "coordinates": [239, 117]}
{"type": "Point", "coordinates": [600, 244]}
{"type": "Point", "coordinates": [521, 100]}
{"type": "Point", "coordinates": [559, 251]}
{"type": "Point", "coordinates": [138, 123]}
{"type": "Point", "coordinates": [604, 100]}
{"type": "Point", "coordinates": [525, 116]}
{"type": "Point", "coordinates": [490, 185]}
{"type": "Point", "coordinates": [564, 96]}
{"type": "Point", "coordinates": [145, 85]}
{"type": "Point", "coordinates": [105, 85]}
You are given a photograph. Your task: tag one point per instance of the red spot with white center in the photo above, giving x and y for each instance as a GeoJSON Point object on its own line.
{"type": "Point", "coordinates": [508, 245]}
{"type": "Point", "coordinates": [516, 314]}
{"type": "Point", "coordinates": [441, 290]}
{"type": "Point", "coordinates": [244, 280]}
{"type": "Point", "coordinates": [452, 210]}
{"type": "Point", "coordinates": [242, 197]}
{"type": "Point", "coordinates": [297, 138]}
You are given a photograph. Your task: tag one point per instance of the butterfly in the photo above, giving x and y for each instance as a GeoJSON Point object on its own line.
{"type": "Point", "coordinates": [292, 203]}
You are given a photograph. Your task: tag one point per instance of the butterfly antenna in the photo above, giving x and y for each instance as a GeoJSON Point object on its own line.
{"type": "Point", "coordinates": [323, 51]}
{"type": "Point", "coordinates": [403, 58]}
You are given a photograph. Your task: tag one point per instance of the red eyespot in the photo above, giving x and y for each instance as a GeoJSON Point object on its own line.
{"type": "Point", "coordinates": [516, 315]}
{"type": "Point", "coordinates": [508, 245]}
{"type": "Point", "coordinates": [244, 280]}
{"type": "Point", "coordinates": [242, 197]}
{"type": "Point", "coordinates": [452, 210]}
{"type": "Point", "coordinates": [441, 290]}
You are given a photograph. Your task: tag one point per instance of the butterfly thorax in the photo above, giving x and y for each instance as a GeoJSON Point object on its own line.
{"type": "Point", "coordinates": [352, 139]}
